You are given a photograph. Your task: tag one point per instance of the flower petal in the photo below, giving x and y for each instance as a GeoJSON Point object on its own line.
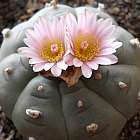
{"type": "Point", "coordinates": [106, 60]}
{"type": "Point", "coordinates": [91, 20]}
{"type": "Point", "coordinates": [68, 43]}
{"type": "Point", "coordinates": [107, 42]}
{"type": "Point", "coordinates": [38, 67]}
{"type": "Point", "coordinates": [36, 61]}
{"type": "Point", "coordinates": [48, 66]}
{"type": "Point", "coordinates": [54, 28]}
{"type": "Point", "coordinates": [77, 62]}
{"type": "Point", "coordinates": [82, 19]}
{"type": "Point", "coordinates": [32, 38]}
{"type": "Point", "coordinates": [107, 32]}
{"type": "Point", "coordinates": [38, 29]}
{"type": "Point", "coordinates": [102, 60]}
{"type": "Point", "coordinates": [71, 24]}
{"type": "Point", "coordinates": [69, 59]}
{"type": "Point", "coordinates": [86, 71]}
{"type": "Point", "coordinates": [62, 65]}
{"type": "Point", "coordinates": [103, 24]}
{"type": "Point", "coordinates": [116, 44]}
{"type": "Point", "coordinates": [56, 71]}
{"type": "Point", "coordinates": [92, 65]}
{"type": "Point", "coordinates": [98, 27]}
{"type": "Point", "coordinates": [46, 27]}
{"type": "Point", "coordinates": [61, 27]}
{"type": "Point", "coordinates": [27, 52]}
{"type": "Point", "coordinates": [107, 51]}
{"type": "Point", "coordinates": [31, 44]}
{"type": "Point", "coordinates": [113, 58]}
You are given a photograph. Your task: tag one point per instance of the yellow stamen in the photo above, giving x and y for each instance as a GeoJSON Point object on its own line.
{"type": "Point", "coordinates": [52, 51]}
{"type": "Point", "coordinates": [86, 47]}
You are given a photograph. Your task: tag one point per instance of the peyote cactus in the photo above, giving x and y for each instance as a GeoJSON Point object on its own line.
{"type": "Point", "coordinates": [47, 109]}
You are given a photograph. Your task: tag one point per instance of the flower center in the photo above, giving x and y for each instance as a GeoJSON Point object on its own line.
{"type": "Point", "coordinates": [86, 47]}
{"type": "Point", "coordinates": [52, 51]}
{"type": "Point", "coordinates": [54, 48]}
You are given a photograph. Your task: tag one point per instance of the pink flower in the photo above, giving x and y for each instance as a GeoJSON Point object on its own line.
{"type": "Point", "coordinates": [91, 41]}
{"type": "Point", "coordinates": [46, 46]}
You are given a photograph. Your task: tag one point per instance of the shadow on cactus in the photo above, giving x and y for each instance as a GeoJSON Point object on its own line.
{"type": "Point", "coordinates": [69, 74]}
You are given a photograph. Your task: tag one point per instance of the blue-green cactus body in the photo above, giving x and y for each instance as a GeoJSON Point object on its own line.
{"type": "Point", "coordinates": [94, 109]}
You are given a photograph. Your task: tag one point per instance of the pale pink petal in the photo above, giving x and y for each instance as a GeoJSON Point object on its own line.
{"type": "Point", "coordinates": [91, 19]}
{"type": "Point", "coordinates": [82, 19]}
{"type": "Point", "coordinates": [36, 61]}
{"type": "Point", "coordinates": [54, 28]}
{"type": "Point", "coordinates": [56, 71]}
{"type": "Point", "coordinates": [68, 42]}
{"type": "Point", "coordinates": [62, 65]}
{"type": "Point", "coordinates": [61, 28]}
{"type": "Point", "coordinates": [42, 30]}
{"type": "Point", "coordinates": [107, 32]}
{"type": "Point", "coordinates": [41, 23]}
{"type": "Point", "coordinates": [92, 65]}
{"type": "Point", "coordinates": [71, 31]}
{"type": "Point", "coordinates": [106, 60]}
{"type": "Point", "coordinates": [38, 67]}
{"type": "Point", "coordinates": [102, 60]}
{"type": "Point", "coordinates": [32, 53]}
{"type": "Point", "coordinates": [46, 26]}
{"type": "Point", "coordinates": [116, 44]}
{"type": "Point", "coordinates": [86, 71]}
{"type": "Point", "coordinates": [48, 66]}
{"type": "Point", "coordinates": [103, 24]}
{"type": "Point", "coordinates": [22, 49]}
{"type": "Point", "coordinates": [77, 62]}
{"type": "Point", "coordinates": [32, 37]}
{"type": "Point", "coordinates": [31, 44]}
{"type": "Point", "coordinates": [69, 59]}
{"type": "Point", "coordinates": [38, 29]}
{"type": "Point", "coordinates": [68, 49]}
{"type": "Point", "coordinates": [113, 58]}
{"type": "Point", "coordinates": [97, 29]}
{"type": "Point", "coordinates": [107, 51]}
{"type": "Point", "coordinates": [108, 41]}
{"type": "Point", "coordinates": [27, 52]}
{"type": "Point", "coordinates": [28, 55]}
{"type": "Point", "coordinates": [71, 24]}
{"type": "Point", "coordinates": [67, 45]}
